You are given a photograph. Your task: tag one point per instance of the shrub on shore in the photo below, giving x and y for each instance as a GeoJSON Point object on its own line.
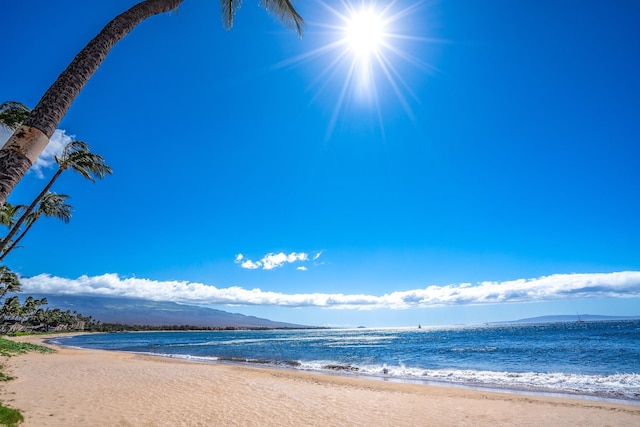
{"type": "Point", "coordinates": [10, 417]}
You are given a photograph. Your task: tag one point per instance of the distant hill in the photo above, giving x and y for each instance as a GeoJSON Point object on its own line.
{"type": "Point", "coordinates": [156, 313]}
{"type": "Point", "coordinates": [569, 318]}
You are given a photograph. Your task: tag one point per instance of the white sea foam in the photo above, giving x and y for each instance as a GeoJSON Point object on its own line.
{"type": "Point", "coordinates": [185, 357]}
{"type": "Point", "coordinates": [617, 386]}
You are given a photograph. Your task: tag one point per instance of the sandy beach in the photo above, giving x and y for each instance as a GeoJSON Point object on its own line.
{"type": "Point", "coordinates": [75, 387]}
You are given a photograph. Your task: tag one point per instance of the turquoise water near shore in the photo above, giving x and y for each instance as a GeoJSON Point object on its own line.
{"type": "Point", "coordinates": [599, 359]}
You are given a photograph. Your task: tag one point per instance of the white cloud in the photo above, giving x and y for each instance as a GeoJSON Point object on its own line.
{"type": "Point", "coordinates": [555, 287]}
{"type": "Point", "coordinates": [271, 261]}
{"type": "Point", "coordinates": [46, 159]}
{"type": "Point", "coordinates": [58, 141]}
{"type": "Point", "coordinates": [302, 268]}
{"type": "Point", "coordinates": [250, 265]}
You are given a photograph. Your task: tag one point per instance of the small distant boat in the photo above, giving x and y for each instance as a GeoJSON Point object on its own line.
{"type": "Point", "coordinates": [579, 318]}
{"type": "Point", "coordinates": [419, 326]}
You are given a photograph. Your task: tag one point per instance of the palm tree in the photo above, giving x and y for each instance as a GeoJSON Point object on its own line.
{"type": "Point", "coordinates": [51, 204]}
{"type": "Point", "coordinates": [30, 139]}
{"type": "Point", "coordinates": [8, 214]}
{"type": "Point", "coordinates": [12, 114]}
{"type": "Point", "coordinates": [11, 309]}
{"type": "Point", "coordinates": [75, 156]}
{"type": "Point", "coordinates": [9, 282]}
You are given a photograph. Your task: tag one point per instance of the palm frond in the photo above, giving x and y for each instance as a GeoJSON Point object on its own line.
{"type": "Point", "coordinates": [229, 9]}
{"type": "Point", "coordinates": [284, 11]}
{"type": "Point", "coordinates": [77, 156]}
{"type": "Point", "coordinates": [12, 114]}
{"type": "Point", "coordinates": [8, 280]}
{"type": "Point", "coordinates": [9, 212]}
{"type": "Point", "coordinates": [53, 204]}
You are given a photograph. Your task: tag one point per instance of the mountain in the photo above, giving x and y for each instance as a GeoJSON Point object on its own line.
{"type": "Point", "coordinates": [569, 318]}
{"type": "Point", "coordinates": [131, 311]}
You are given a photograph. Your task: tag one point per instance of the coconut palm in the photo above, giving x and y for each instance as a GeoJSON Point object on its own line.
{"type": "Point", "coordinates": [8, 214]}
{"type": "Point", "coordinates": [75, 156]}
{"type": "Point", "coordinates": [12, 114]}
{"type": "Point", "coordinates": [11, 309]}
{"type": "Point", "coordinates": [9, 282]}
{"type": "Point", "coordinates": [30, 139]}
{"type": "Point", "coordinates": [52, 205]}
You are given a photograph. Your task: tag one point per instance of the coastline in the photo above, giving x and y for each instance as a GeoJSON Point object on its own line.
{"type": "Point", "coordinates": [104, 388]}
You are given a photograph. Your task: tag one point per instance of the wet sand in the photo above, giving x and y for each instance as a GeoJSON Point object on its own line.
{"type": "Point", "coordinates": [75, 387]}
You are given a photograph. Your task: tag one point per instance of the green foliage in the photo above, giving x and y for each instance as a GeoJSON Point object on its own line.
{"type": "Point", "coordinates": [21, 334]}
{"type": "Point", "coordinates": [12, 114]}
{"type": "Point", "coordinates": [3, 376]}
{"type": "Point", "coordinates": [10, 348]}
{"type": "Point", "coordinates": [8, 214]}
{"type": "Point", "coordinates": [30, 316]}
{"type": "Point", "coordinates": [10, 417]}
{"type": "Point", "coordinates": [78, 157]}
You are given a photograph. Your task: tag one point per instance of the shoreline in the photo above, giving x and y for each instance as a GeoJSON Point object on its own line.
{"type": "Point", "coordinates": [497, 387]}
{"type": "Point", "coordinates": [98, 387]}
{"type": "Point", "coordinates": [398, 380]}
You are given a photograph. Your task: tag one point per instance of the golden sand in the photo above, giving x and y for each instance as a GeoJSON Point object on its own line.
{"type": "Point", "coordinates": [99, 388]}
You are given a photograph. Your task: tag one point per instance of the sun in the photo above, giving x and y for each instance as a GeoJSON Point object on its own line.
{"type": "Point", "coordinates": [363, 39]}
{"type": "Point", "coordinates": [369, 44]}
{"type": "Point", "coordinates": [364, 33]}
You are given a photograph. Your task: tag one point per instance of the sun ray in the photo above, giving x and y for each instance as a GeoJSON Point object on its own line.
{"type": "Point", "coordinates": [369, 42]}
{"type": "Point", "coordinates": [396, 89]}
{"type": "Point", "coordinates": [340, 102]}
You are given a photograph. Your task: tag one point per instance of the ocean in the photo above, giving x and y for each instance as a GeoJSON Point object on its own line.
{"type": "Point", "coordinates": [599, 359]}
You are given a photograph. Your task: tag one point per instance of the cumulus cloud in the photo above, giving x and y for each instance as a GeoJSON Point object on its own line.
{"type": "Point", "coordinates": [46, 159]}
{"type": "Point", "coordinates": [58, 141]}
{"type": "Point", "coordinates": [271, 261]}
{"type": "Point", "coordinates": [623, 284]}
{"type": "Point", "coordinates": [250, 265]}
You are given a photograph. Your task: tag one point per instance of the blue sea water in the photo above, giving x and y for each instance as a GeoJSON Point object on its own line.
{"type": "Point", "coordinates": [600, 359]}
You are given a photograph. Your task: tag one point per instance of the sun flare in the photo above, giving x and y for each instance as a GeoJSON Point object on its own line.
{"type": "Point", "coordinates": [371, 43]}
{"type": "Point", "coordinates": [364, 32]}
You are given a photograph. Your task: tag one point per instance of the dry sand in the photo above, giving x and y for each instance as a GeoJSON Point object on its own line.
{"type": "Point", "coordinates": [98, 388]}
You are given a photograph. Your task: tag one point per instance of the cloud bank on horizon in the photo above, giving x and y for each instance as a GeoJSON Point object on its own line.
{"type": "Point", "coordinates": [624, 284]}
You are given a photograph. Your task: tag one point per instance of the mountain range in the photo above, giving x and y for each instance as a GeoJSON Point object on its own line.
{"type": "Point", "coordinates": [156, 313]}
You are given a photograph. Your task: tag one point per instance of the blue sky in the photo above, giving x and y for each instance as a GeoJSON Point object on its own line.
{"type": "Point", "coordinates": [498, 144]}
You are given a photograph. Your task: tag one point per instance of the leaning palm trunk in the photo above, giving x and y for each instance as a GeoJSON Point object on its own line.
{"type": "Point", "coordinates": [30, 139]}
{"type": "Point", "coordinates": [51, 204]}
{"type": "Point", "coordinates": [14, 244]}
{"type": "Point", "coordinates": [5, 244]}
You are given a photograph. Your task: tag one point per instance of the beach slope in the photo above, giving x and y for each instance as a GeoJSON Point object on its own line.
{"type": "Point", "coordinates": [100, 388]}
